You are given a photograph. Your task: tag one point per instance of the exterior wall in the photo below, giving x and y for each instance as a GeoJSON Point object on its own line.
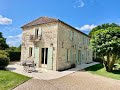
{"type": "Point", "coordinates": [60, 37]}
{"type": "Point", "coordinates": [48, 40]}
{"type": "Point", "coordinates": [79, 42]}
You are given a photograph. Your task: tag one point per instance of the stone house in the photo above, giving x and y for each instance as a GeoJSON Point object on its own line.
{"type": "Point", "coordinates": [54, 45]}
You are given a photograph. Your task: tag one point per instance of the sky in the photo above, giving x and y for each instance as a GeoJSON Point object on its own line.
{"type": "Point", "coordinates": [81, 14]}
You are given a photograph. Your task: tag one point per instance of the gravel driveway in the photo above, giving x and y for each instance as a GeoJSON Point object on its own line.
{"type": "Point", "coordinates": [76, 81]}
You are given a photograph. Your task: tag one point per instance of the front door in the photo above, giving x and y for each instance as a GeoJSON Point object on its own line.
{"type": "Point", "coordinates": [44, 57]}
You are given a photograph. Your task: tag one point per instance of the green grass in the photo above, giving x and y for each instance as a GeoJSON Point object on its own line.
{"type": "Point", "coordinates": [9, 80]}
{"type": "Point", "coordinates": [100, 70]}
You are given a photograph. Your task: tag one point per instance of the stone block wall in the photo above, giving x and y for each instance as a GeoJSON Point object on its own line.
{"type": "Point", "coordinates": [79, 42]}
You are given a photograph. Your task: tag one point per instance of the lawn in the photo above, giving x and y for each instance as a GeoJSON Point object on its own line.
{"type": "Point", "coordinates": [9, 80]}
{"type": "Point", "coordinates": [100, 70]}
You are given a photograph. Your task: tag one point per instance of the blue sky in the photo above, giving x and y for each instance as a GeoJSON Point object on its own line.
{"type": "Point", "coordinates": [82, 14]}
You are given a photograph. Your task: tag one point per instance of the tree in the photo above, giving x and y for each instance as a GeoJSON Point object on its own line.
{"type": "Point", "coordinates": [3, 44]}
{"type": "Point", "coordinates": [106, 43]}
{"type": "Point", "coordinates": [103, 27]}
{"type": "Point", "coordinates": [14, 49]}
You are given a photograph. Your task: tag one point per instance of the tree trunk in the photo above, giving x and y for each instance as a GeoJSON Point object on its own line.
{"type": "Point", "coordinates": [109, 62]}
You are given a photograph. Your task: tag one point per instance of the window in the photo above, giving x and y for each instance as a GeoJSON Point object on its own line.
{"type": "Point", "coordinates": [30, 51]}
{"type": "Point", "coordinates": [71, 35]}
{"type": "Point", "coordinates": [67, 54]}
{"type": "Point", "coordinates": [83, 40]}
{"type": "Point", "coordinates": [36, 33]}
{"type": "Point", "coordinates": [62, 44]}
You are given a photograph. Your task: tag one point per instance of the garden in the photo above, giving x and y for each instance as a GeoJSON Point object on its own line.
{"type": "Point", "coordinates": [9, 80]}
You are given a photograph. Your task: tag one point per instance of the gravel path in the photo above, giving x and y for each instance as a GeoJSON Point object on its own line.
{"type": "Point", "coordinates": [76, 81]}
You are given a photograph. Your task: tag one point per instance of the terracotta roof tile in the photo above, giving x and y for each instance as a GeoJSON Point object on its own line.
{"type": "Point", "coordinates": [41, 20]}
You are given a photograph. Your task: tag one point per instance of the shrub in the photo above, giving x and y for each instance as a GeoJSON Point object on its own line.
{"type": "Point", "coordinates": [4, 61]}
{"type": "Point", "coordinates": [3, 52]}
{"type": "Point", "coordinates": [73, 65]}
{"type": "Point", "coordinates": [98, 59]}
{"type": "Point", "coordinates": [14, 56]}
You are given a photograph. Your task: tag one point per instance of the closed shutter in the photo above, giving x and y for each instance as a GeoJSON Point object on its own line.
{"type": "Point", "coordinates": [71, 60]}
{"type": "Point", "coordinates": [76, 56]}
{"type": "Point", "coordinates": [40, 31]}
{"type": "Point", "coordinates": [37, 55]}
{"type": "Point", "coordinates": [71, 35]}
{"type": "Point", "coordinates": [50, 59]}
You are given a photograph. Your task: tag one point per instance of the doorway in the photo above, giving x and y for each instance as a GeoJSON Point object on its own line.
{"type": "Point", "coordinates": [44, 57]}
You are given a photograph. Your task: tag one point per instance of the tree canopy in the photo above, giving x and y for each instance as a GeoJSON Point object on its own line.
{"type": "Point", "coordinates": [3, 44]}
{"type": "Point", "coordinates": [103, 27]}
{"type": "Point", "coordinates": [106, 43]}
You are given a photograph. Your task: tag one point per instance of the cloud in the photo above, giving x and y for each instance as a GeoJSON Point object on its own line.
{"type": "Point", "coordinates": [5, 20]}
{"type": "Point", "coordinates": [79, 3]}
{"type": "Point", "coordinates": [14, 40]}
{"type": "Point", "coordinates": [86, 27]}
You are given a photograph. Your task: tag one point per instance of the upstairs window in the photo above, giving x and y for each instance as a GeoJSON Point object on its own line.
{"type": "Point", "coordinates": [36, 33]}
{"type": "Point", "coordinates": [71, 35]}
{"type": "Point", "coordinates": [83, 40]}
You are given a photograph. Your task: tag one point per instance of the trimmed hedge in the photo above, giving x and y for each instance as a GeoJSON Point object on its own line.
{"type": "Point", "coordinates": [14, 56]}
{"type": "Point", "coordinates": [98, 59]}
{"type": "Point", "coordinates": [4, 61]}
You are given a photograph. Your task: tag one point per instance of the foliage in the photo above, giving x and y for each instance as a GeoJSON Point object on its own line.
{"type": "Point", "coordinates": [9, 80]}
{"type": "Point", "coordinates": [4, 52]}
{"type": "Point", "coordinates": [107, 43]}
{"type": "Point", "coordinates": [14, 53]}
{"type": "Point", "coordinates": [14, 49]}
{"type": "Point", "coordinates": [3, 44]}
{"type": "Point", "coordinates": [100, 70]}
{"type": "Point", "coordinates": [14, 56]}
{"type": "Point", "coordinates": [4, 61]}
{"type": "Point", "coordinates": [103, 27]}
{"type": "Point", "coordinates": [98, 59]}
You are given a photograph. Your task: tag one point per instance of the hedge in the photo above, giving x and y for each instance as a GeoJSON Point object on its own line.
{"type": "Point", "coordinates": [4, 61]}
{"type": "Point", "coordinates": [14, 56]}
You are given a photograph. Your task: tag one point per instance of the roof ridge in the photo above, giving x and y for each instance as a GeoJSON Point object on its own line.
{"type": "Point", "coordinates": [50, 19]}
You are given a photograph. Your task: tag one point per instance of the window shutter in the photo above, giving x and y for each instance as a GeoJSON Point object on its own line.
{"type": "Point", "coordinates": [40, 31]}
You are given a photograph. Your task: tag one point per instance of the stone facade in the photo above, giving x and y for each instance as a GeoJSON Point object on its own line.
{"type": "Point", "coordinates": [68, 45]}
{"type": "Point", "coordinates": [72, 41]}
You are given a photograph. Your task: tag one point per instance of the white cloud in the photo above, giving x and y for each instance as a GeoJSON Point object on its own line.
{"type": "Point", "coordinates": [86, 27]}
{"type": "Point", "coordinates": [5, 20]}
{"type": "Point", "coordinates": [14, 40]}
{"type": "Point", "coordinates": [79, 3]}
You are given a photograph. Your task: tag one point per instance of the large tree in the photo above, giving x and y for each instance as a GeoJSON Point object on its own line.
{"type": "Point", "coordinates": [103, 27]}
{"type": "Point", "coordinates": [3, 44]}
{"type": "Point", "coordinates": [106, 43]}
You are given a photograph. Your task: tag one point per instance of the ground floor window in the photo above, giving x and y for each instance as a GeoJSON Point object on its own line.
{"type": "Point", "coordinates": [67, 55]}
{"type": "Point", "coordinates": [30, 51]}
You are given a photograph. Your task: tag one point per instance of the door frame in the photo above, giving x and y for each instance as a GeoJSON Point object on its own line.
{"type": "Point", "coordinates": [44, 65]}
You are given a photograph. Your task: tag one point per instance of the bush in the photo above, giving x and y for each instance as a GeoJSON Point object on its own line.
{"type": "Point", "coordinates": [73, 65]}
{"type": "Point", "coordinates": [3, 52]}
{"type": "Point", "coordinates": [14, 56]}
{"type": "Point", "coordinates": [118, 61]}
{"type": "Point", "coordinates": [4, 61]}
{"type": "Point", "coordinates": [98, 60]}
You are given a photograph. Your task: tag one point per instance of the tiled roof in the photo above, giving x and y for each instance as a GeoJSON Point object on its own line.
{"type": "Point", "coordinates": [44, 20]}
{"type": "Point", "coordinates": [41, 20]}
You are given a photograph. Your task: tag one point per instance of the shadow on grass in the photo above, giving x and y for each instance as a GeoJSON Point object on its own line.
{"type": "Point", "coordinates": [116, 71]}
{"type": "Point", "coordinates": [95, 67]}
